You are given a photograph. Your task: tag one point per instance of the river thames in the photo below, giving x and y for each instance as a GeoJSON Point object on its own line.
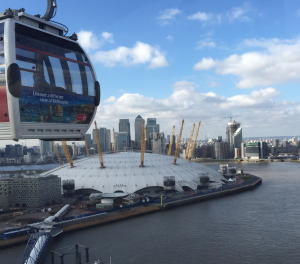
{"type": "Point", "coordinates": [258, 226]}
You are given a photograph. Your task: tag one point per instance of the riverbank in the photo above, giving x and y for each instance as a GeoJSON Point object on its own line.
{"type": "Point", "coordinates": [142, 210]}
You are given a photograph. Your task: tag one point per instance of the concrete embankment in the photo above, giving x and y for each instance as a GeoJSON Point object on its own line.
{"type": "Point", "coordinates": [113, 218]}
{"type": "Point", "coordinates": [137, 211]}
{"type": "Point", "coordinates": [213, 195]}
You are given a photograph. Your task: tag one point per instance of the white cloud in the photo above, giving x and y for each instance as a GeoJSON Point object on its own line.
{"type": "Point", "coordinates": [201, 16]}
{"type": "Point", "coordinates": [278, 62]}
{"type": "Point", "coordinates": [208, 42]}
{"type": "Point", "coordinates": [191, 104]}
{"type": "Point", "coordinates": [89, 41]}
{"type": "Point", "coordinates": [213, 84]}
{"type": "Point", "coordinates": [111, 99]}
{"type": "Point", "coordinates": [141, 53]}
{"type": "Point", "coordinates": [108, 37]}
{"type": "Point", "coordinates": [204, 64]}
{"type": "Point", "coordinates": [166, 16]}
{"type": "Point", "coordinates": [236, 13]}
{"type": "Point", "coordinates": [170, 38]}
{"type": "Point", "coordinates": [239, 13]}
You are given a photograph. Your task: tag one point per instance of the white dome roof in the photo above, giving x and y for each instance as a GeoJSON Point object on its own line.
{"type": "Point", "coordinates": [123, 173]}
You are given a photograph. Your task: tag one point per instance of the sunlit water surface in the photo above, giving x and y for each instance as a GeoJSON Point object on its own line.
{"type": "Point", "coordinates": [258, 226]}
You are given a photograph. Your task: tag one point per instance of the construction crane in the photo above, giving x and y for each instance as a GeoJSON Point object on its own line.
{"type": "Point", "coordinates": [57, 153]}
{"type": "Point", "coordinates": [115, 143]}
{"type": "Point", "coordinates": [194, 142]}
{"type": "Point", "coordinates": [67, 153]}
{"type": "Point", "coordinates": [230, 117]}
{"type": "Point", "coordinates": [143, 144]}
{"type": "Point", "coordinates": [189, 144]}
{"type": "Point", "coordinates": [178, 143]}
{"type": "Point", "coordinates": [171, 142]}
{"type": "Point", "coordinates": [86, 147]}
{"type": "Point", "coordinates": [99, 147]}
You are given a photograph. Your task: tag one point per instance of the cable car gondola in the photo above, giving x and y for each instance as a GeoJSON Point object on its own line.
{"type": "Point", "coordinates": [48, 86]}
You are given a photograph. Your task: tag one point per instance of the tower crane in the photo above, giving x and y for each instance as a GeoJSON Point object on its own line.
{"type": "Point", "coordinates": [67, 153]}
{"type": "Point", "coordinates": [115, 143]}
{"type": "Point", "coordinates": [143, 144]}
{"type": "Point", "coordinates": [99, 147]}
{"type": "Point", "coordinates": [171, 142]}
{"type": "Point", "coordinates": [57, 153]}
{"type": "Point", "coordinates": [178, 143]}
{"type": "Point", "coordinates": [86, 147]}
{"type": "Point", "coordinates": [189, 144]}
{"type": "Point", "coordinates": [230, 117]}
{"type": "Point", "coordinates": [194, 142]}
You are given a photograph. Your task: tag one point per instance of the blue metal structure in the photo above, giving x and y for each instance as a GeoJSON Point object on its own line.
{"type": "Point", "coordinates": [36, 248]}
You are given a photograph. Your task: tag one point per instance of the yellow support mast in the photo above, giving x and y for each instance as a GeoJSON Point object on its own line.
{"type": "Point", "coordinates": [143, 144]}
{"type": "Point", "coordinates": [194, 142]}
{"type": "Point", "coordinates": [67, 153]}
{"type": "Point", "coordinates": [171, 142]}
{"type": "Point", "coordinates": [86, 148]}
{"type": "Point", "coordinates": [57, 153]}
{"type": "Point", "coordinates": [189, 144]}
{"type": "Point", "coordinates": [99, 148]}
{"type": "Point", "coordinates": [115, 143]}
{"type": "Point", "coordinates": [178, 143]}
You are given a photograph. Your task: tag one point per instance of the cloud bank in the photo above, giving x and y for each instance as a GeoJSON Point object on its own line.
{"type": "Point", "coordinates": [278, 61]}
{"type": "Point", "coordinates": [140, 53]}
{"type": "Point", "coordinates": [259, 110]}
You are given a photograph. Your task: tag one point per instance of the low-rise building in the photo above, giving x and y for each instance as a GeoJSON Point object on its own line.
{"type": "Point", "coordinates": [30, 192]}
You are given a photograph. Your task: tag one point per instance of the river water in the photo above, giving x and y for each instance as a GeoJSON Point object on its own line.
{"type": "Point", "coordinates": [258, 226]}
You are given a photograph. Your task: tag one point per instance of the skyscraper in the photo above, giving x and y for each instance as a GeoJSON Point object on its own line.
{"type": "Point", "coordinates": [138, 127]}
{"type": "Point", "coordinates": [230, 129]}
{"type": "Point", "coordinates": [102, 137]}
{"type": "Point", "coordinates": [121, 140]}
{"type": "Point", "coordinates": [108, 140]}
{"type": "Point", "coordinates": [168, 138]}
{"type": "Point", "coordinates": [19, 150]}
{"type": "Point", "coordinates": [88, 138]}
{"type": "Point", "coordinates": [124, 126]}
{"type": "Point", "coordinates": [94, 137]}
{"type": "Point", "coordinates": [237, 141]}
{"type": "Point", "coordinates": [157, 142]}
{"type": "Point", "coordinates": [46, 147]}
{"type": "Point", "coordinates": [151, 127]}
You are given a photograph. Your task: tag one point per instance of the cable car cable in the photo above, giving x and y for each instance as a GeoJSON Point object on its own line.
{"type": "Point", "coordinates": [62, 25]}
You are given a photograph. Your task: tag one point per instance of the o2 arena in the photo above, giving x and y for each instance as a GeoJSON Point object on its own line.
{"type": "Point", "coordinates": [122, 173]}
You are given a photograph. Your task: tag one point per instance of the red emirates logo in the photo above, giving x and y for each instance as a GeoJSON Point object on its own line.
{"type": "Point", "coordinates": [81, 117]}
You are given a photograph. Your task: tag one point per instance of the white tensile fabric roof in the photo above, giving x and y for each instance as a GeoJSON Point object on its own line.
{"type": "Point", "coordinates": [123, 173]}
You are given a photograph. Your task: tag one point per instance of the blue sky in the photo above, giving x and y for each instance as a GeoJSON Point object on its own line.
{"type": "Point", "coordinates": [198, 60]}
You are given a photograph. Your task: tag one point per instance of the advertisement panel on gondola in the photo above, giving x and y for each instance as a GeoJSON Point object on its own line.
{"type": "Point", "coordinates": [55, 107]}
{"type": "Point", "coordinates": [57, 83]}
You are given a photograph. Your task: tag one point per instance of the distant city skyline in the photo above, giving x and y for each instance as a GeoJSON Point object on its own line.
{"type": "Point", "coordinates": [196, 62]}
